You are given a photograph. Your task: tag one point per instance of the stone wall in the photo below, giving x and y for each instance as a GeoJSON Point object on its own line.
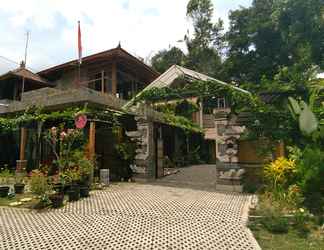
{"type": "Point", "coordinates": [52, 98]}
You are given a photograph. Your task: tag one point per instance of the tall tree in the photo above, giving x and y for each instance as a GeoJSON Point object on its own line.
{"type": "Point", "coordinates": [273, 34]}
{"type": "Point", "coordinates": [164, 59]}
{"type": "Point", "coordinates": [205, 45]}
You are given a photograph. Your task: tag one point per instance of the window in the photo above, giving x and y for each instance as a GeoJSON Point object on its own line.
{"type": "Point", "coordinates": [96, 81]}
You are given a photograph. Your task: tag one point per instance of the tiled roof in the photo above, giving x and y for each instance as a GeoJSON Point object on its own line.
{"type": "Point", "coordinates": [23, 72]}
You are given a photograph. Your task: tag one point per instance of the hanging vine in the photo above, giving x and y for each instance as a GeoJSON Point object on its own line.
{"type": "Point", "coordinates": [11, 123]}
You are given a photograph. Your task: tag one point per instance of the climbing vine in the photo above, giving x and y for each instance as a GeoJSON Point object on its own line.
{"type": "Point", "coordinates": [202, 89]}
{"type": "Point", "coordinates": [36, 114]}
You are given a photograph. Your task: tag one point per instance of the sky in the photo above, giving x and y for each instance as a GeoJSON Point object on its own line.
{"type": "Point", "coordinates": [143, 27]}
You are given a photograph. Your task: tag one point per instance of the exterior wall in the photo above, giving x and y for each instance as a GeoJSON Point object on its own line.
{"type": "Point", "coordinates": [248, 152]}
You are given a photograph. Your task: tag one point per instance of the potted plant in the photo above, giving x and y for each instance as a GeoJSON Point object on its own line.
{"type": "Point", "coordinates": [5, 177]}
{"type": "Point", "coordinates": [72, 177]}
{"type": "Point", "coordinates": [86, 170]}
{"type": "Point", "coordinates": [58, 183]}
{"type": "Point", "coordinates": [40, 186]}
{"type": "Point", "coordinates": [19, 185]}
{"type": "Point", "coordinates": [56, 199]}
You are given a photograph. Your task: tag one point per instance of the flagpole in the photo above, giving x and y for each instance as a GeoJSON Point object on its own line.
{"type": "Point", "coordinates": [79, 54]}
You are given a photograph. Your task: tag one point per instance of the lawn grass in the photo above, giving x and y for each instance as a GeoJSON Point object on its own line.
{"type": "Point", "coordinates": [290, 241]}
{"type": "Point", "coordinates": [17, 198]}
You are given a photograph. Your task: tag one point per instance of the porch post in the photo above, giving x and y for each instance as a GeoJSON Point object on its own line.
{"type": "Point", "coordinates": [102, 81]}
{"type": "Point", "coordinates": [92, 140]}
{"type": "Point", "coordinates": [114, 79]}
{"type": "Point", "coordinates": [23, 139]}
{"type": "Point", "coordinates": [21, 164]}
{"type": "Point", "coordinates": [201, 114]}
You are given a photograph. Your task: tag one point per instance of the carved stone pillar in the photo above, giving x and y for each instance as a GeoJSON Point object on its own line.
{"type": "Point", "coordinates": [145, 153]}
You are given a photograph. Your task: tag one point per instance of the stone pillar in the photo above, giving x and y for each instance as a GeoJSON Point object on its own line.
{"type": "Point", "coordinates": [145, 159]}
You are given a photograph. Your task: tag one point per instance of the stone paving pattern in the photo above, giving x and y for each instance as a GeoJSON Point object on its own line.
{"type": "Point", "coordinates": [134, 216]}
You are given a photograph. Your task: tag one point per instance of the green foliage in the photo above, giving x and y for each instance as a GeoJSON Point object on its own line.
{"type": "Point", "coordinates": [307, 121]}
{"type": "Point", "coordinates": [164, 59]}
{"type": "Point", "coordinates": [280, 173]}
{"type": "Point", "coordinates": [5, 176]}
{"type": "Point", "coordinates": [301, 221]}
{"type": "Point", "coordinates": [85, 166]}
{"type": "Point", "coordinates": [39, 184]}
{"type": "Point", "coordinates": [271, 35]}
{"type": "Point", "coordinates": [204, 48]}
{"type": "Point", "coordinates": [181, 108]}
{"type": "Point", "coordinates": [272, 212]}
{"type": "Point", "coordinates": [237, 98]}
{"type": "Point", "coordinates": [276, 224]}
{"type": "Point", "coordinates": [37, 114]}
{"type": "Point", "coordinates": [182, 122]}
{"type": "Point", "coordinates": [127, 151]}
{"type": "Point", "coordinates": [310, 170]}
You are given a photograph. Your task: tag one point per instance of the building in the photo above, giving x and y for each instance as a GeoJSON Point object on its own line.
{"type": "Point", "coordinates": [108, 81]}
{"type": "Point", "coordinates": [221, 131]}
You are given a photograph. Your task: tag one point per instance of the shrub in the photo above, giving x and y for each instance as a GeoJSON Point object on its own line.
{"type": "Point", "coordinates": [272, 213]}
{"type": "Point", "coordinates": [310, 171]}
{"type": "Point", "coordinates": [276, 224]}
{"type": "Point", "coordinates": [280, 172]}
{"type": "Point", "coordinates": [5, 176]}
{"type": "Point", "coordinates": [39, 185]}
{"type": "Point", "coordinates": [301, 221]}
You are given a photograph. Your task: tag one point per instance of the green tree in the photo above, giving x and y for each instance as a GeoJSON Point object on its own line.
{"type": "Point", "coordinates": [164, 59]}
{"type": "Point", "coordinates": [204, 48]}
{"type": "Point", "coordinates": [272, 34]}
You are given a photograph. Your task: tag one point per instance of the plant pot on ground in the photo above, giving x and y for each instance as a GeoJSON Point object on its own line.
{"type": "Point", "coordinates": [57, 200]}
{"type": "Point", "coordinates": [58, 188]}
{"type": "Point", "coordinates": [19, 188]}
{"type": "Point", "coordinates": [74, 193]}
{"type": "Point", "coordinates": [84, 191]}
{"type": "Point", "coordinates": [4, 191]}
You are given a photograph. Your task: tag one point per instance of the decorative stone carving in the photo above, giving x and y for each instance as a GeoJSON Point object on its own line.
{"type": "Point", "coordinates": [143, 136]}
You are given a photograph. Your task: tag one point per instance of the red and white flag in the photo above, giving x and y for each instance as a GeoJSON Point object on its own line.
{"type": "Point", "coordinates": [79, 43]}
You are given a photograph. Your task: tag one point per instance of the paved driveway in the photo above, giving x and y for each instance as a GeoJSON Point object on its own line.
{"type": "Point", "coordinates": [134, 216]}
{"type": "Point", "coordinates": [199, 177]}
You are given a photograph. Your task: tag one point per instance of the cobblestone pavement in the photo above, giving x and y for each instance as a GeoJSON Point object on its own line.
{"type": "Point", "coordinates": [200, 177]}
{"type": "Point", "coordinates": [134, 216]}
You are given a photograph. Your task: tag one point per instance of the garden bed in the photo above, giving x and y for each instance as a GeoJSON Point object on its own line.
{"type": "Point", "coordinates": [291, 240]}
{"type": "Point", "coordinates": [276, 228]}
{"type": "Point", "coordinates": [19, 198]}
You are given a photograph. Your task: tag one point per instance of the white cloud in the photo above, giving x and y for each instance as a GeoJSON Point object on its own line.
{"type": "Point", "coordinates": [142, 26]}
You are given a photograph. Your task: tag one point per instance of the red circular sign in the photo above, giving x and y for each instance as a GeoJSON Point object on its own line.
{"type": "Point", "coordinates": [80, 121]}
